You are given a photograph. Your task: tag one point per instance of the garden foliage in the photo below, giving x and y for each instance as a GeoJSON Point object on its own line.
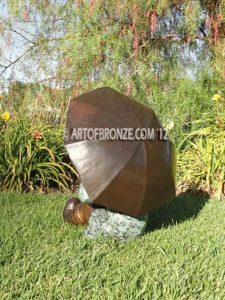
{"type": "Point", "coordinates": [32, 157]}
{"type": "Point", "coordinates": [166, 54]}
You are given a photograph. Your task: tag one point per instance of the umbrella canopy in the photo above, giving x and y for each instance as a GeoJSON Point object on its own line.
{"type": "Point", "coordinates": [133, 177]}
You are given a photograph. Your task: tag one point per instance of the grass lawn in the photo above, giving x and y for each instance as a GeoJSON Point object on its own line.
{"type": "Point", "coordinates": [43, 258]}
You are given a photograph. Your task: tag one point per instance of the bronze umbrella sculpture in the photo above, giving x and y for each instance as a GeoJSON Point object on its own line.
{"type": "Point", "coordinates": [132, 177]}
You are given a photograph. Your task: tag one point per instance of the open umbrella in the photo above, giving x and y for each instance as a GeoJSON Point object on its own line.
{"type": "Point", "coordinates": [130, 176]}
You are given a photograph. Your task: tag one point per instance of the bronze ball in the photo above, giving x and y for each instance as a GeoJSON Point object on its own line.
{"type": "Point", "coordinates": [76, 213]}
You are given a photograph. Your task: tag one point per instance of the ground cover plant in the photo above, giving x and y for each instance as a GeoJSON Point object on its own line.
{"type": "Point", "coordinates": [43, 258]}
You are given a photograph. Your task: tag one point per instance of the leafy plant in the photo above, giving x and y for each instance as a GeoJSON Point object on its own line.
{"type": "Point", "coordinates": [32, 157]}
{"type": "Point", "coordinates": [202, 162]}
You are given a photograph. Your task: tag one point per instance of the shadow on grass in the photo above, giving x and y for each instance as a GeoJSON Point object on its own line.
{"type": "Point", "coordinates": [185, 206]}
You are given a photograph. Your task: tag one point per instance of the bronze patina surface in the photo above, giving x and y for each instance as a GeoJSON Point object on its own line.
{"type": "Point", "coordinates": [132, 177]}
{"type": "Point", "coordinates": [76, 212]}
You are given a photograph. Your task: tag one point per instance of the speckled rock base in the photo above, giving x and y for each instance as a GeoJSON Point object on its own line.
{"type": "Point", "coordinates": [121, 227]}
{"type": "Point", "coordinates": [82, 194]}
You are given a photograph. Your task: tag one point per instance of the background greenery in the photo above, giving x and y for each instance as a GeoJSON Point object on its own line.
{"type": "Point", "coordinates": [166, 54]}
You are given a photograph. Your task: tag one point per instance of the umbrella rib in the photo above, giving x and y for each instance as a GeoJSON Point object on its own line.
{"type": "Point", "coordinates": [149, 143]}
{"type": "Point", "coordinates": [145, 157]}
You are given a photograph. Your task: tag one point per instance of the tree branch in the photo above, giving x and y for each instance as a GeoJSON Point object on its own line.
{"type": "Point", "coordinates": [16, 60]}
{"type": "Point", "coordinates": [202, 31]}
{"type": "Point", "coordinates": [23, 36]}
